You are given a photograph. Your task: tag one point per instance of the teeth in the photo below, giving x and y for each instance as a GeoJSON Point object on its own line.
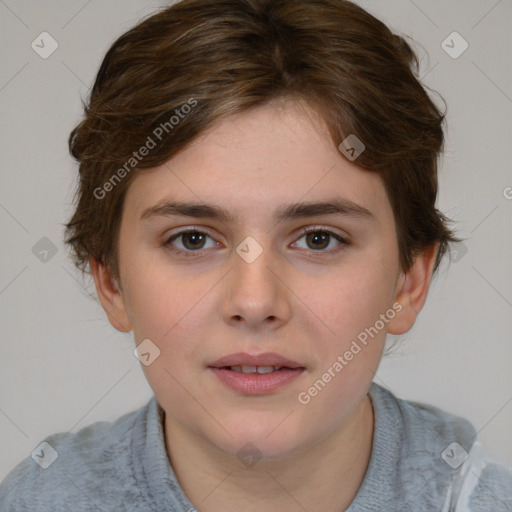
{"type": "Point", "coordinates": [255, 369]}
{"type": "Point", "coordinates": [265, 369]}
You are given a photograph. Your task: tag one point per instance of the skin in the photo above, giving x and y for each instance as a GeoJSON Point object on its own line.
{"type": "Point", "coordinates": [304, 299]}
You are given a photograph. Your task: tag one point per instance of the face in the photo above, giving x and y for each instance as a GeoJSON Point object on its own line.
{"type": "Point", "coordinates": [266, 285]}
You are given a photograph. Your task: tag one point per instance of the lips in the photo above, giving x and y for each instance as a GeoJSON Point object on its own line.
{"type": "Point", "coordinates": [256, 375]}
{"type": "Point", "coordinates": [262, 360]}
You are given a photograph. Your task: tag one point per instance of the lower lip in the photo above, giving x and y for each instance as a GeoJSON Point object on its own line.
{"type": "Point", "coordinates": [256, 383]}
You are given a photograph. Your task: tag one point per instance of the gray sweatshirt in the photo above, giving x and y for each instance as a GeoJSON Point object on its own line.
{"type": "Point", "coordinates": [423, 459]}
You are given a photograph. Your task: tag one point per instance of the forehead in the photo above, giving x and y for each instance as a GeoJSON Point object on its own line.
{"type": "Point", "coordinates": [255, 162]}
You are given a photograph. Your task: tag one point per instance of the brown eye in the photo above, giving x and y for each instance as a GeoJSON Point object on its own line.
{"type": "Point", "coordinates": [193, 240]}
{"type": "Point", "coordinates": [189, 241]}
{"type": "Point", "coordinates": [318, 239]}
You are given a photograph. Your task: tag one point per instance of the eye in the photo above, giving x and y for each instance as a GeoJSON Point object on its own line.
{"type": "Point", "coordinates": [190, 241]}
{"type": "Point", "coordinates": [318, 239]}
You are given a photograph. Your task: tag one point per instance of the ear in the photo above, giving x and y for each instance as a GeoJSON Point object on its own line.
{"type": "Point", "coordinates": [412, 289]}
{"type": "Point", "coordinates": [110, 296]}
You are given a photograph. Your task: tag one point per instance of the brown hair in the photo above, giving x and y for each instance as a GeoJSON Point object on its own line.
{"type": "Point", "coordinates": [226, 56]}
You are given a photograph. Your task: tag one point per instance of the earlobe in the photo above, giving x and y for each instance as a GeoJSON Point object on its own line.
{"type": "Point", "coordinates": [110, 296]}
{"type": "Point", "coordinates": [412, 290]}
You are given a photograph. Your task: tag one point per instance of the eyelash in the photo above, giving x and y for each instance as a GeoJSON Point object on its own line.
{"type": "Point", "coordinates": [316, 229]}
{"type": "Point", "coordinates": [179, 252]}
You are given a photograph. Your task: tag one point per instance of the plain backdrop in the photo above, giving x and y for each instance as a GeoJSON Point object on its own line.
{"type": "Point", "coordinates": [62, 366]}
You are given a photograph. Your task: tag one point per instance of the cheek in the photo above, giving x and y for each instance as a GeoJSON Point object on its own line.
{"type": "Point", "coordinates": [145, 301]}
{"type": "Point", "coordinates": [350, 353]}
{"type": "Point", "coordinates": [353, 298]}
{"type": "Point", "coordinates": [172, 308]}
{"type": "Point", "coordinates": [156, 299]}
{"type": "Point", "coordinates": [170, 312]}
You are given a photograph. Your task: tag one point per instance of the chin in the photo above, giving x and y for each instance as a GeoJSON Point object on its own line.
{"type": "Point", "coordinates": [271, 438]}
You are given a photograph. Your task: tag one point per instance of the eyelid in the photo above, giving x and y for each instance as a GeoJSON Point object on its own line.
{"type": "Point", "coordinates": [188, 229]}
{"type": "Point", "coordinates": [342, 239]}
{"type": "Point", "coordinates": [314, 229]}
{"type": "Point", "coordinates": [168, 239]}
{"type": "Point", "coordinates": [302, 231]}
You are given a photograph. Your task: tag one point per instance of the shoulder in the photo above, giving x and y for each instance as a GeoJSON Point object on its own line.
{"type": "Point", "coordinates": [484, 484]}
{"type": "Point", "coordinates": [65, 470]}
{"type": "Point", "coordinates": [423, 428]}
{"type": "Point", "coordinates": [428, 423]}
{"type": "Point", "coordinates": [440, 456]}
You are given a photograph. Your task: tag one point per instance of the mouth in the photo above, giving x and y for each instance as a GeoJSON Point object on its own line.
{"type": "Point", "coordinates": [256, 375]}
{"type": "Point", "coordinates": [269, 361]}
{"type": "Point", "coordinates": [255, 369]}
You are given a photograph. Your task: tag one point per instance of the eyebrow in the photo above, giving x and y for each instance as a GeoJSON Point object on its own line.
{"type": "Point", "coordinates": [335, 206]}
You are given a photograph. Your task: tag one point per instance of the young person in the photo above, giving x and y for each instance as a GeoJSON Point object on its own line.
{"type": "Point", "coordinates": [256, 203]}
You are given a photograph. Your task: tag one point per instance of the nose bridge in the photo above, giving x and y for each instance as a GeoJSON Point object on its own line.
{"type": "Point", "coordinates": [255, 292]}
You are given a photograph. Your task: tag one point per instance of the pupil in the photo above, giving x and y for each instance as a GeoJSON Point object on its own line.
{"type": "Point", "coordinates": [196, 238]}
{"type": "Point", "coordinates": [318, 237]}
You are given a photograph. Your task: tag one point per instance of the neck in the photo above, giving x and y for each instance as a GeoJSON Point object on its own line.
{"type": "Point", "coordinates": [323, 476]}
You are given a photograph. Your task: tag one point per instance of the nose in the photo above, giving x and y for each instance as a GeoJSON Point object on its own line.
{"type": "Point", "coordinates": [256, 295]}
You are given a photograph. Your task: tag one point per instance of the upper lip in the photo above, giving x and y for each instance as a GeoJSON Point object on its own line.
{"type": "Point", "coordinates": [244, 359]}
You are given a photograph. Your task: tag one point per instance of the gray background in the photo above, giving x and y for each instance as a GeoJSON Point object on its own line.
{"type": "Point", "coordinates": [62, 366]}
